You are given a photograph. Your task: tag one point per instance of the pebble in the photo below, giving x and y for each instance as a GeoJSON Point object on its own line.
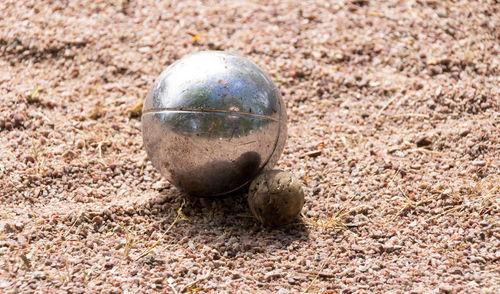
{"type": "Point", "coordinates": [7, 228]}
{"type": "Point", "coordinates": [446, 288]}
{"type": "Point", "coordinates": [479, 163]}
{"type": "Point", "coordinates": [79, 143]}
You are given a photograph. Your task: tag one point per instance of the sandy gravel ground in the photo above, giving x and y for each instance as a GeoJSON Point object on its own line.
{"type": "Point", "coordinates": [394, 118]}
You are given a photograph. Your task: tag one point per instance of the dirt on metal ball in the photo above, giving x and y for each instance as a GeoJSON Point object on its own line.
{"type": "Point", "coordinates": [275, 198]}
{"type": "Point", "coordinates": [212, 121]}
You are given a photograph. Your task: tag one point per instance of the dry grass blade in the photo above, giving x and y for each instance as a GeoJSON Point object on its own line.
{"type": "Point", "coordinates": [385, 106]}
{"type": "Point", "coordinates": [135, 110]}
{"type": "Point", "coordinates": [72, 226]}
{"type": "Point", "coordinates": [68, 277]}
{"type": "Point", "coordinates": [128, 244]}
{"type": "Point", "coordinates": [190, 285]}
{"type": "Point", "coordinates": [35, 155]}
{"type": "Point", "coordinates": [179, 215]}
{"type": "Point", "coordinates": [423, 150]}
{"type": "Point", "coordinates": [410, 204]}
{"type": "Point", "coordinates": [34, 93]}
{"type": "Point", "coordinates": [419, 115]}
{"type": "Point", "coordinates": [173, 289]}
{"type": "Point", "coordinates": [446, 212]}
{"type": "Point", "coordinates": [319, 273]}
{"type": "Point", "coordinates": [196, 37]}
{"type": "Point", "coordinates": [312, 282]}
{"type": "Point", "coordinates": [341, 183]}
{"type": "Point", "coordinates": [99, 148]}
{"type": "Point", "coordinates": [335, 221]}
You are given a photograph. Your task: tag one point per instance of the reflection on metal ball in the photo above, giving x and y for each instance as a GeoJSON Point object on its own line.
{"type": "Point", "coordinates": [212, 121]}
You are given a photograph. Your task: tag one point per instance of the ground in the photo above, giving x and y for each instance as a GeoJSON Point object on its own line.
{"type": "Point", "coordinates": [394, 118]}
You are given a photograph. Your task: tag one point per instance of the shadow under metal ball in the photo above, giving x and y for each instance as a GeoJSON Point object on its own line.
{"type": "Point", "coordinates": [212, 121]}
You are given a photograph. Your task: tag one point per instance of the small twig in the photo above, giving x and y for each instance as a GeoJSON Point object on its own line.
{"type": "Point", "coordinates": [314, 153]}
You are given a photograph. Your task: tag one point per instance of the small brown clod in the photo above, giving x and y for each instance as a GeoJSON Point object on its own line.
{"type": "Point", "coordinates": [275, 198]}
{"type": "Point", "coordinates": [80, 144]}
{"type": "Point", "coordinates": [423, 142]}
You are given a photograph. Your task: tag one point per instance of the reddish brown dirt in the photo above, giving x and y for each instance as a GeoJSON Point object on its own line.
{"type": "Point", "coordinates": [393, 127]}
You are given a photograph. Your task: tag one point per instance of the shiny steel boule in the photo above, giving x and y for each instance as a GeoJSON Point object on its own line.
{"type": "Point", "coordinates": [212, 121]}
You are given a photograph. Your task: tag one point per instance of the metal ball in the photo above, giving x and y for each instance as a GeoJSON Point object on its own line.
{"type": "Point", "coordinates": [213, 121]}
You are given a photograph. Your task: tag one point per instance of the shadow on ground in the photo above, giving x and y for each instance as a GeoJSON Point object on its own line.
{"type": "Point", "coordinates": [228, 225]}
